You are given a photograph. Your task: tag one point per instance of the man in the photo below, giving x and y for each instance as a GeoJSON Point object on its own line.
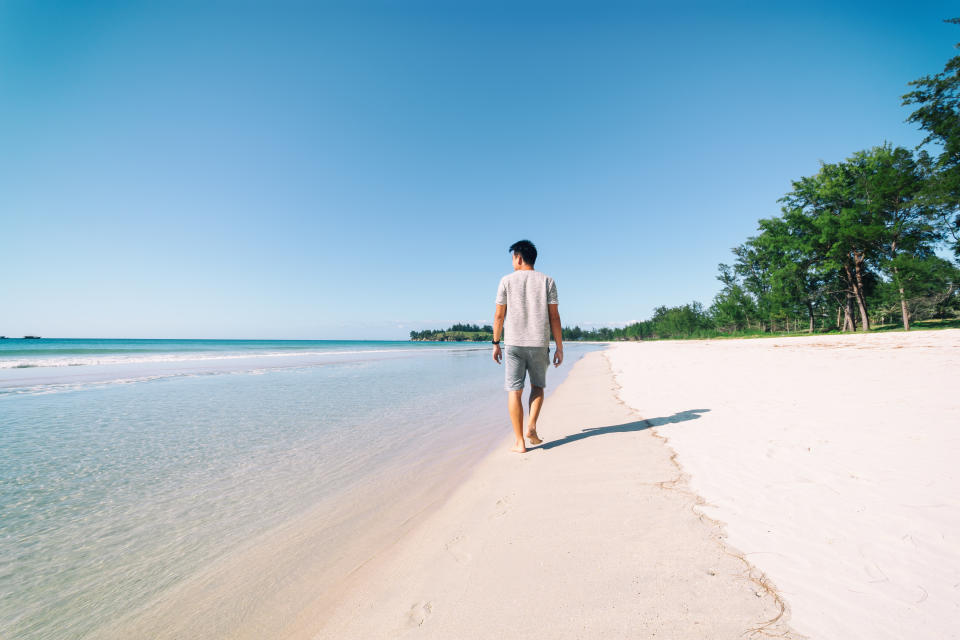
{"type": "Point", "coordinates": [527, 308]}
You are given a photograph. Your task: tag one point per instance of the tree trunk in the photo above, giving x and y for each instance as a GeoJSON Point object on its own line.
{"type": "Point", "coordinates": [903, 301]}
{"type": "Point", "coordinates": [810, 313]}
{"type": "Point", "coordinates": [905, 311]}
{"type": "Point", "coordinates": [858, 291]}
{"type": "Point", "coordinates": [849, 323]}
{"type": "Point", "coordinates": [839, 311]}
{"type": "Point", "coordinates": [848, 320]}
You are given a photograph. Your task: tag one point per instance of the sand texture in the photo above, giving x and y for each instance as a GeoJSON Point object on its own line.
{"type": "Point", "coordinates": [832, 462]}
{"type": "Point", "coordinates": [593, 535]}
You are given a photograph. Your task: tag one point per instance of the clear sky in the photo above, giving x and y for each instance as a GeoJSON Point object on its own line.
{"type": "Point", "coordinates": [281, 169]}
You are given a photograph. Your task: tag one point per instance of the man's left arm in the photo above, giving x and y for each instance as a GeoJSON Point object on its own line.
{"type": "Point", "coordinates": [557, 330]}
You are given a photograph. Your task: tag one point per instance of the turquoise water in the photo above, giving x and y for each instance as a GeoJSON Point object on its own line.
{"type": "Point", "coordinates": [131, 465]}
{"type": "Point", "coordinates": [54, 352]}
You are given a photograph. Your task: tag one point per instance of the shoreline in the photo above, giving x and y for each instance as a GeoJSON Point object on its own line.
{"type": "Point", "coordinates": [522, 526]}
{"type": "Point", "coordinates": [277, 581]}
{"type": "Point", "coordinates": [288, 576]}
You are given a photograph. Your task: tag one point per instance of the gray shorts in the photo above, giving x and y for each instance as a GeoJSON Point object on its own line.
{"type": "Point", "coordinates": [520, 360]}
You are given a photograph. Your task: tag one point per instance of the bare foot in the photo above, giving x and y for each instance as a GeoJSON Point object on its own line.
{"type": "Point", "coordinates": [533, 437]}
{"type": "Point", "coordinates": [519, 447]}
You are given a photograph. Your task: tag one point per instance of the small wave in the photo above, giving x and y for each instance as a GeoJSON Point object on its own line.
{"type": "Point", "coordinates": [44, 389]}
{"type": "Point", "coordinates": [190, 357]}
{"type": "Point", "coordinates": [59, 385]}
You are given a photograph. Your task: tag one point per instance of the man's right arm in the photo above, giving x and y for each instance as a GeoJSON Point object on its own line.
{"type": "Point", "coordinates": [498, 317]}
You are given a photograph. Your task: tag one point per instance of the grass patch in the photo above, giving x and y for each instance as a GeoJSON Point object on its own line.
{"type": "Point", "coordinates": [919, 325]}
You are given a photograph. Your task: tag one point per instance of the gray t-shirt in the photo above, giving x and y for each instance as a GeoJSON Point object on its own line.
{"type": "Point", "coordinates": [526, 293]}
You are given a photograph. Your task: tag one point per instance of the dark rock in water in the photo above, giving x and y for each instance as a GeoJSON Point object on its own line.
{"type": "Point", "coordinates": [31, 337]}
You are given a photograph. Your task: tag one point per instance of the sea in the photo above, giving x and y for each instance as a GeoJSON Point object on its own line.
{"type": "Point", "coordinates": [223, 488]}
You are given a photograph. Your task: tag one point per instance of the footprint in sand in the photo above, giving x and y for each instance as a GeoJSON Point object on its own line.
{"type": "Point", "coordinates": [454, 548]}
{"type": "Point", "coordinates": [876, 573]}
{"type": "Point", "coordinates": [419, 613]}
{"type": "Point", "coordinates": [501, 508]}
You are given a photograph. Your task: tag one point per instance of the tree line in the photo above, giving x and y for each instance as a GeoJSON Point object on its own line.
{"type": "Point", "coordinates": [854, 242]}
{"type": "Point", "coordinates": [456, 333]}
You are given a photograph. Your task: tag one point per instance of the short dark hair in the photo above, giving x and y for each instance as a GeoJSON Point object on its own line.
{"type": "Point", "coordinates": [526, 250]}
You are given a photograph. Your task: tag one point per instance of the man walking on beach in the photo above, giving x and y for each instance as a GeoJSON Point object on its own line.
{"type": "Point", "coordinates": [527, 307]}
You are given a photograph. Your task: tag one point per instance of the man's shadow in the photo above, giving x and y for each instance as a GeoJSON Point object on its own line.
{"type": "Point", "coordinates": [639, 425]}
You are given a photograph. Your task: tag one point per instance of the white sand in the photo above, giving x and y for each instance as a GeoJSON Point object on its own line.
{"type": "Point", "coordinates": [832, 462]}
{"type": "Point", "coordinates": [589, 537]}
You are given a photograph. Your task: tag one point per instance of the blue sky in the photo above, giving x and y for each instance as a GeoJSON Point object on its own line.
{"type": "Point", "coordinates": [282, 169]}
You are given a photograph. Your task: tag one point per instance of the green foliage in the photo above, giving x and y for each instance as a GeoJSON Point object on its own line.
{"type": "Point", "coordinates": [471, 328]}
{"type": "Point", "coordinates": [932, 287]}
{"type": "Point", "coordinates": [686, 321]}
{"type": "Point", "coordinates": [456, 333]}
{"type": "Point", "coordinates": [733, 308]}
{"type": "Point", "coordinates": [855, 241]}
{"type": "Point", "coordinates": [681, 322]}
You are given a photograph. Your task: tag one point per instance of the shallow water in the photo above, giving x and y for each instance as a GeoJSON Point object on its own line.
{"type": "Point", "coordinates": [123, 479]}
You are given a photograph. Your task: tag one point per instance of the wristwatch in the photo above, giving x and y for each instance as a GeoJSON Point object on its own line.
{"type": "Point", "coordinates": [496, 342]}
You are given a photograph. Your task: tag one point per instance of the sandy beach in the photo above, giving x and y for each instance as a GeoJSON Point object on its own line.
{"type": "Point", "coordinates": [831, 462]}
{"type": "Point", "coordinates": [593, 535]}
{"type": "Point", "coordinates": [799, 487]}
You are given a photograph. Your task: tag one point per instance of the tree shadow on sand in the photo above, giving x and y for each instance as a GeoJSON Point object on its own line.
{"type": "Point", "coordinates": [639, 425]}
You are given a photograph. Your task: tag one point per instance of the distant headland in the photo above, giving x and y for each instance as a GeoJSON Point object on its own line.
{"type": "Point", "coordinates": [456, 333]}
